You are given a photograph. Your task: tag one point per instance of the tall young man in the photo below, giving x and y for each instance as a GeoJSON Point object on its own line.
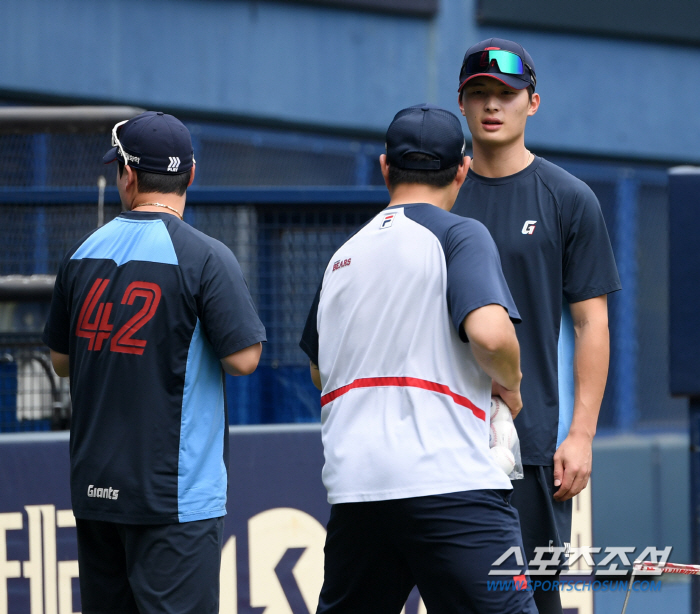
{"type": "Point", "coordinates": [555, 249]}
{"type": "Point", "coordinates": [411, 323]}
{"type": "Point", "coordinates": [147, 314]}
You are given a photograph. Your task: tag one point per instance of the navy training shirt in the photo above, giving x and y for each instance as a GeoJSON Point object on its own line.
{"type": "Point", "coordinates": [555, 250]}
{"type": "Point", "coordinates": [146, 307]}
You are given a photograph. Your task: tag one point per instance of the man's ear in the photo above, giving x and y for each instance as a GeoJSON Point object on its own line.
{"type": "Point", "coordinates": [384, 165]}
{"type": "Point", "coordinates": [462, 171]}
{"type": "Point", "coordinates": [534, 104]}
{"type": "Point", "coordinates": [131, 178]}
{"type": "Point", "coordinates": [460, 103]}
{"type": "Point", "coordinates": [191, 176]}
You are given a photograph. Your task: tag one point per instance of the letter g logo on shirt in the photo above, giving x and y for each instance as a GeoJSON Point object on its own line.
{"type": "Point", "coordinates": [529, 227]}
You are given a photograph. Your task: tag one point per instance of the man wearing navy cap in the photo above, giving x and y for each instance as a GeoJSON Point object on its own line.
{"type": "Point", "coordinates": [557, 259]}
{"type": "Point", "coordinates": [146, 316]}
{"type": "Point", "coordinates": [411, 323]}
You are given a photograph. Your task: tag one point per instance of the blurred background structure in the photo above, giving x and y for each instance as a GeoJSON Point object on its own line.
{"type": "Point", "coordinates": [287, 102]}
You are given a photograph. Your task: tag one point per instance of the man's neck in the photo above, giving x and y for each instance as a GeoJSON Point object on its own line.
{"type": "Point", "coordinates": [409, 193]}
{"type": "Point", "coordinates": [500, 161]}
{"type": "Point", "coordinates": [159, 203]}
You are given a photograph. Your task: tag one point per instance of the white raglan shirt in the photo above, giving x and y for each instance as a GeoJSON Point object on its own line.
{"type": "Point", "coordinates": [404, 403]}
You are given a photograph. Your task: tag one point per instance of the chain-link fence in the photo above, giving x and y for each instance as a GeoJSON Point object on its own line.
{"type": "Point", "coordinates": [32, 397]}
{"type": "Point", "coordinates": [283, 202]}
{"type": "Point", "coordinates": [48, 196]}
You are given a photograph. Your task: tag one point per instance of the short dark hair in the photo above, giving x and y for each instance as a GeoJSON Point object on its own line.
{"type": "Point", "coordinates": [439, 179]}
{"type": "Point", "coordinates": [162, 184]}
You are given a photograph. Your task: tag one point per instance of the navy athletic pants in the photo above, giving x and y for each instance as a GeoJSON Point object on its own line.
{"type": "Point", "coordinates": [445, 544]}
{"type": "Point", "coordinates": [544, 522]}
{"type": "Point", "coordinates": [148, 569]}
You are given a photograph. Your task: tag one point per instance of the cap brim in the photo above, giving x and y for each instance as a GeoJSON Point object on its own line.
{"type": "Point", "coordinates": [110, 156]}
{"type": "Point", "coordinates": [509, 80]}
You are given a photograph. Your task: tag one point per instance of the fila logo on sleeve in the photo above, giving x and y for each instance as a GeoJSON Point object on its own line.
{"type": "Point", "coordinates": [387, 221]}
{"type": "Point", "coordinates": [174, 164]}
{"type": "Point", "coordinates": [529, 227]}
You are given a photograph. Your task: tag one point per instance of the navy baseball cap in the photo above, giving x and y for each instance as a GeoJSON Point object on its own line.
{"type": "Point", "coordinates": [500, 59]}
{"type": "Point", "coordinates": [425, 129]}
{"type": "Point", "coordinates": [152, 141]}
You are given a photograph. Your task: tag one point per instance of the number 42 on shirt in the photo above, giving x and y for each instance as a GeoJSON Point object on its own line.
{"type": "Point", "coordinates": [93, 321]}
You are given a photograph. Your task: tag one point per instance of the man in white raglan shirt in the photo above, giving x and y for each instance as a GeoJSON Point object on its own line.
{"type": "Point", "coordinates": [409, 327]}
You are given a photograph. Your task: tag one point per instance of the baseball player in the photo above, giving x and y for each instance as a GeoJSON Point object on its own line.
{"type": "Point", "coordinates": [147, 314]}
{"type": "Point", "coordinates": [555, 249]}
{"type": "Point", "coordinates": [411, 323]}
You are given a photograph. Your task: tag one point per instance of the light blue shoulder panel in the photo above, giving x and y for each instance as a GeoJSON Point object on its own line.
{"type": "Point", "coordinates": [125, 240]}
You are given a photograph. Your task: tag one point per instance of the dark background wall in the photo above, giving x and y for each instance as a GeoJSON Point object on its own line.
{"type": "Point", "coordinates": [673, 21]}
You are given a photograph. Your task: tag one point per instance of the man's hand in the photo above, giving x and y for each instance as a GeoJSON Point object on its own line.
{"type": "Point", "coordinates": [573, 462]}
{"type": "Point", "coordinates": [511, 398]}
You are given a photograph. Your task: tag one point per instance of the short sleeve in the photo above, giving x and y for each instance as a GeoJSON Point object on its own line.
{"type": "Point", "coordinates": [57, 329]}
{"type": "Point", "coordinates": [309, 338]}
{"type": "Point", "coordinates": [589, 268]}
{"type": "Point", "coordinates": [474, 274]}
{"type": "Point", "coordinates": [228, 314]}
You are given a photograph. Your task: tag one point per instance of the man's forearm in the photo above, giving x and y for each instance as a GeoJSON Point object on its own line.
{"type": "Point", "coordinates": [591, 359]}
{"type": "Point", "coordinates": [244, 361]}
{"type": "Point", "coordinates": [61, 363]}
{"type": "Point", "coordinates": [574, 457]}
{"type": "Point", "coordinates": [494, 344]}
{"type": "Point", "coordinates": [502, 365]}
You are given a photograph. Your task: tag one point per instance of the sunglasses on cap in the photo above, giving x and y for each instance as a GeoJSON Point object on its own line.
{"type": "Point", "coordinates": [117, 143]}
{"type": "Point", "coordinates": [504, 62]}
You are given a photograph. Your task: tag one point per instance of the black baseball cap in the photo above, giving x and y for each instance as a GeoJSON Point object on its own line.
{"type": "Point", "coordinates": [500, 59]}
{"type": "Point", "coordinates": [425, 129]}
{"type": "Point", "coordinates": [152, 141]}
